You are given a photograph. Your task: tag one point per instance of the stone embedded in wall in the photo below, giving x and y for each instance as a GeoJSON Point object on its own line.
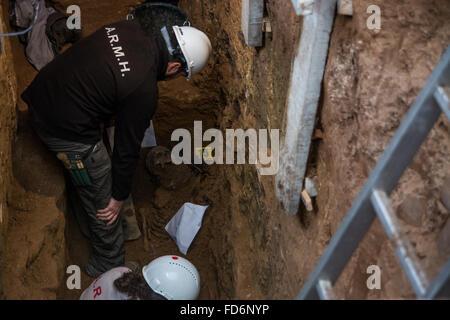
{"type": "Point", "coordinates": [412, 209]}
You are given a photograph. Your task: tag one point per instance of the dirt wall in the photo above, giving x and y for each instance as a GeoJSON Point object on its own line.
{"type": "Point", "coordinates": [371, 80]}
{"type": "Point", "coordinates": [32, 192]}
{"type": "Point", "coordinates": [7, 119]}
{"type": "Point", "coordinates": [261, 254]}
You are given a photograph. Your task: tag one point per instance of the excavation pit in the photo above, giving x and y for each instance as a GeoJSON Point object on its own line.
{"type": "Point", "coordinates": [248, 247]}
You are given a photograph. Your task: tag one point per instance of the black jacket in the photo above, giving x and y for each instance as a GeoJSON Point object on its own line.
{"type": "Point", "coordinates": [112, 73]}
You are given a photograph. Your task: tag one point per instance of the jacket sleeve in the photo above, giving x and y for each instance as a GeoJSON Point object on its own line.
{"type": "Point", "coordinates": [133, 118]}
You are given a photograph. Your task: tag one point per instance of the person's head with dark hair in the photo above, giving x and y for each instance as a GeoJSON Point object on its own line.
{"type": "Point", "coordinates": [164, 278]}
{"type": "Point", "coordinates": [188, 47]}
{"type": "Point", "coordinates": [177, 65]}
{"type": "Point", "coordinates": [167, 277]}
{"type": "Point", "coordinates": [153, 16]}
{"type": "Point", "coordinates": [134, 285]}
{"type": "Point", "coordinates": [189, 50]}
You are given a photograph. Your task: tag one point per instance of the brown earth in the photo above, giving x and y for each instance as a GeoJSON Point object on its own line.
{"type": "Point", "coordinates": [371, 80]}
{"type": "Point", "coordinates": [248, 248]}
{"type": "Point", "coordinates": [7, 124]}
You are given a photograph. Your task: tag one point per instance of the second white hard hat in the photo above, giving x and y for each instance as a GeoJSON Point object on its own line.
{"type": "Point", "coordinates": [196, 48]}
{"type": "Point", "coordinates": [173, 277]}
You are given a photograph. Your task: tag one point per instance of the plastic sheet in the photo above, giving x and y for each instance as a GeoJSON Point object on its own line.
{"type": "Point", "coordinates": [185, 225]}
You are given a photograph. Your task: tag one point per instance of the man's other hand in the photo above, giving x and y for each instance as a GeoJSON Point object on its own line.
{"type": "Point", "coordinates": [111, 212]}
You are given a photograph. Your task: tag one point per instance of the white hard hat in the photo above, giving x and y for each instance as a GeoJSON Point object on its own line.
{"type": "Point", "coordinates": [195, 46]}
{"type": "Point", "coordinates": [173, 277]}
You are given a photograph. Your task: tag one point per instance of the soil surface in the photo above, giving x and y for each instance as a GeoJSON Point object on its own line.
{"type": "Point", "coordinates": [371, 80]}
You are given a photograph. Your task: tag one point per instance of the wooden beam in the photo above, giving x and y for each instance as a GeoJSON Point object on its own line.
{"type": "Point", "coordinates": [303, 100]}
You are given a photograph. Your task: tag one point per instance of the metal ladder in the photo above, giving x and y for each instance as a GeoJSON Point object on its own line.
{"type": "Point", "coordinates": [373, 200]}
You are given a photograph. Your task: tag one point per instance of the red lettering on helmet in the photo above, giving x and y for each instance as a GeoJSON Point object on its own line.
{"type": "Point", "coordinates": [175, 258]}
{"type": "Point", "coordinates": [98, 292]}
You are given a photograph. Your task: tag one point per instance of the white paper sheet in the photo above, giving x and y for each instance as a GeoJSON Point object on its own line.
{"type": "Point", "coordinates": [185, 225]}
{"type": "Point", "coordinates": [149, 138]}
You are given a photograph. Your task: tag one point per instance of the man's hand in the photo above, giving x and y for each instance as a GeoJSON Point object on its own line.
{"type": "Point", "coordinates": [111, 212]}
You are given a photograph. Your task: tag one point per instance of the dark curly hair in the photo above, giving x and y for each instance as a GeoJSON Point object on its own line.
{"type": "Point", "coordinates": [153, 16]}
{"type": "Point", "coordinates": [134, 285]}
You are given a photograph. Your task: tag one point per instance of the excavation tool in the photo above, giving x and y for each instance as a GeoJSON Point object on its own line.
{"type": "Point", "coordinates": [74, 164]}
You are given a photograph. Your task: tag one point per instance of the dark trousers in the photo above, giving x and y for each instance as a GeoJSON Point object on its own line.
{"type": "Point", "coordinates": [107, 241]}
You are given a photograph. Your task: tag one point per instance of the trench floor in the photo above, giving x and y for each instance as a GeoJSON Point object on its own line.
{"type": "Point", "coordinates": [155, 206]}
